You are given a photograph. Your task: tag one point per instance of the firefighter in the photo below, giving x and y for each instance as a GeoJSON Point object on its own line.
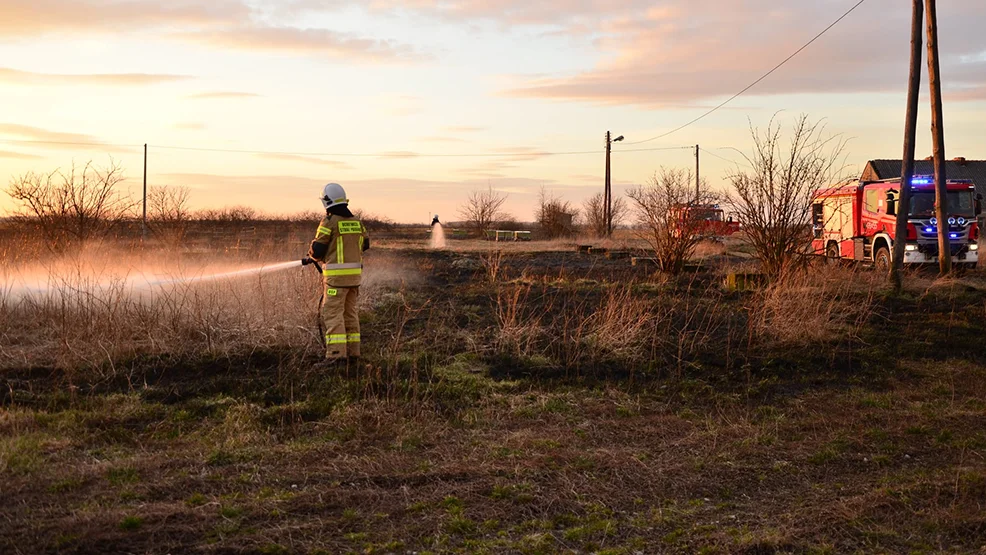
{"type": "Point", "coordinates": [339, 244]}
{"type": "Point", "coordinates": [435, 221]}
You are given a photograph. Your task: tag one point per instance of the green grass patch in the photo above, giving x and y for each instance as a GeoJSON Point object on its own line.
{"type": "Point", "coordinates": [131, 523]}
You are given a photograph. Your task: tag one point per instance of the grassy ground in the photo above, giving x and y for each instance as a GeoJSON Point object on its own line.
{"type": "Point", "coordinates": [519, 402]}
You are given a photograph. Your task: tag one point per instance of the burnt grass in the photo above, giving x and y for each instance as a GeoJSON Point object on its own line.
{"type": "Point", "coordinates": [455, 436]}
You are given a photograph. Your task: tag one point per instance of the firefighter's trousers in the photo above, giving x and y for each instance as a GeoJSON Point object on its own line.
{"type": "Point", "coordinates": [340, 317]}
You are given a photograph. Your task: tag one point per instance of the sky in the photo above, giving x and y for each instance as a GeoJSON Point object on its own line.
{"type": "Point", "coordinates": [411, 105]}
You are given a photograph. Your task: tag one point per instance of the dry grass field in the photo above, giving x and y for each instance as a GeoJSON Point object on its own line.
{"type": "Point", "coordinates": [529, 399]}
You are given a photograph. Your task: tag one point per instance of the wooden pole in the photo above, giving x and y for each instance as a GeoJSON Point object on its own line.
{"type": "Point", "coordinates": [609, 191]}
{"type": "Point", "coordinates": [910, 132]}
{"type": "Point", "coordinates": [938, 133]}
{"type": "Point", "coordinates": [698, 188]}
{"type": "Point", "coordinates": [143, 226]}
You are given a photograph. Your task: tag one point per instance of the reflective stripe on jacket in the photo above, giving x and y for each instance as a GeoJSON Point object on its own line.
{"type": "Point", "coordinates": [343, 262]}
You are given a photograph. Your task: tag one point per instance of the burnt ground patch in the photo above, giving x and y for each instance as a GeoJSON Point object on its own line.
{"type": "Point", "coordinates": [570, 404]}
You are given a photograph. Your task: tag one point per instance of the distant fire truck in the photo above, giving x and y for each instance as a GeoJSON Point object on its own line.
{"type": "Point", "coordinates": [706, 220]}
{"type": "Point", "coordinates": [858, 222]}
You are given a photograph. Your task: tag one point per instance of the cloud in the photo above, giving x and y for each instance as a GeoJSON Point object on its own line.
{"type": "Point", "coordinates": [399, 154]}
{"type": "Point", "coordinates": [685, 54]}
{"type": "Point", "coordinates": [26, 132]}
{"type": "Point", "coordinates": [313, 42]}
{"type": "Point", "coordinates": [970, 93]}
{"type": "Point", "coordinates": [223, 95]}
{"type": "Point", "coordinates": [9, 155]}
{"type": "Point", "coordinates": [15, 76]}
{"type": "Point", "coordinates": [437, 139]}
{"type": "Point", "coordinates": [305, 160]}
{"type": "Point", "coordinates": [42, 17]}
{"type": "Point", "coordinates": [43, 138]}
{"type": "Point", "coordinates": [225, 24]}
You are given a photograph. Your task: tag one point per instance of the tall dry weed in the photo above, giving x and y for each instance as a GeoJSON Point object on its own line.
{"type": "Point", "coordinates": [825, 305]}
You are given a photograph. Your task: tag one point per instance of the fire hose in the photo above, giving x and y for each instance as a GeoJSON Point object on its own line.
{"type": "Point", "coordinates": [318, 316]}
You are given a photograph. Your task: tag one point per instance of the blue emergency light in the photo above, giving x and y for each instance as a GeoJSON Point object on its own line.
{"type": "Point", "coordinates": [921, 181]}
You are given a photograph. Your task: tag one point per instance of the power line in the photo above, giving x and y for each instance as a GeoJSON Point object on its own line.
{"type": "Point", "coordinates": [757, 82]}
{"type": "Point", "coordinates": [654, 149]}
{"type": "Point", "coordinates": [723, 158]}
{"type": "Point", "coordinates": [397, 154]}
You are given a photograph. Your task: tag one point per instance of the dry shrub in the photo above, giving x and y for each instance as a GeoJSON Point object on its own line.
{"type": "Point", "coordinates": [482, 210]}
{"type": "Point", "coordinates": [518, 321]}
{"type": "Point", "coordinates": [620, 326]}
{"type": "Point", "coordinates": [76, 205]}
{"type": "Point", "coordinates": [594, 210]}
{"type": "Point", "coordinates": [493, 264]}
{"type": "Point", "coordinates": [621, 322]}
{"type": "Point", "coordinates": [555, 217]}
{"type": "Point", "coordinates": [665, 222]}
{"type": "Point", "coordinates": [773, 196]}
{"type": "Point", "coordinates": [829, 304]}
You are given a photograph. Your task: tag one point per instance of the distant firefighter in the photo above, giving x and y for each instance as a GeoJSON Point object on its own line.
{"type": "Point", "coordinates": [435, 221]}
{"type": "Point", "coordinates": [339, 243]}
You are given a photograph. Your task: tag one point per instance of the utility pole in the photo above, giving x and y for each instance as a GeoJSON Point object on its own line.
{"type": "Point", "coordinates": [143, 226]}
{"type": "Point", "coordinates": [698, 188]}
{"type": "Point", "coordinates": [910, 131]}
{"type": "Point", "coordinates": [608, 200]}
{"type": "Point", "coordinates": [938, 135]}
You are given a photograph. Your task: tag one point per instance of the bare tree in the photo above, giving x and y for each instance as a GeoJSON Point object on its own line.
{"type": "Point", "coordinates": [670, 219]}
{"type": "Point", "coordinates": [594, 209]}
{"type": "Point", "coordinates": [773, 197]}
{"type": "Point", "coordinates": [555, 217]}
{"type": "Point", "coordinates": [167, 207]}
{"type": "Point", "coordinates": [482, 209]}
{"type": "Point", "coordinates": [78, 205]}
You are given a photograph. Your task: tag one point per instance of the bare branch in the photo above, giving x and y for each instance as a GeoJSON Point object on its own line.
{"type": "Point", "coordinates": [671, 229]}
{"type": "Point", "coordinates": [483, 209]}
{"type": "Point", "coordinates": [773, 198]}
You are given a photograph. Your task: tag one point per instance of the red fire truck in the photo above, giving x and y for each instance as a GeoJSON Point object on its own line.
{"type": "Point", "coordinates": [707, 220]}
{"type": "Point", "coordinates": [858, 222]}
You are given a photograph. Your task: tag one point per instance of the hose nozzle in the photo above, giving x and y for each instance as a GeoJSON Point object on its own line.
{"type": "Point", "coordinates": [308, 260]}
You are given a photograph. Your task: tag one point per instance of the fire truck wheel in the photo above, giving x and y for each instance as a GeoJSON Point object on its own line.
{"type": "Point", "coordinates": [882, 259]}
{"type": "Point", "coordinates": [832, 254]}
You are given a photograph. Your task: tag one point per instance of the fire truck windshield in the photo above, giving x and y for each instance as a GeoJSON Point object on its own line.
{"type": "Point", "coordinates": [707, 214]}
{"type": "Point", "coordinates": [960, 203]}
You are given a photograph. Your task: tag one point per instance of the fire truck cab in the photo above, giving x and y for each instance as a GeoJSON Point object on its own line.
{"type": "Point", "coordinates": [707, 220]}
{"type": "Point", "coordinates": [858, 222]}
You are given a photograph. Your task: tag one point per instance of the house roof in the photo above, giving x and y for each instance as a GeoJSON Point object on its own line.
{"type": "Point", "coordinates": [954, 169]}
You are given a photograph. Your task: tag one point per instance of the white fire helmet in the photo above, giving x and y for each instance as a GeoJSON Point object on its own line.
{"type": "Point", "coordinates": [333, 195]}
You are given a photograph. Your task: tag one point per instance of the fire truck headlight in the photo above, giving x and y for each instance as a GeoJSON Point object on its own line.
{"type": "Point", "coordinates": [934, 221]}
{"type": "Point", "coordinates": [961, 221]}
{"type": "Point", "coordinates": [974, 247]}
{"type": "Point", "coordinates": [911, 248]}
{"type": "Point", "coordinates": [951, 221]}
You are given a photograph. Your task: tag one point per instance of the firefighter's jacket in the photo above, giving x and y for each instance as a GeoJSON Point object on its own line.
{"type": "Point", "coordinates": [339, 245]}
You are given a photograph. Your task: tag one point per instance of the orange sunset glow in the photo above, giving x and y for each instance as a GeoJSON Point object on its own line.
{"type": "Point", "coordinates": [412, 105]}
